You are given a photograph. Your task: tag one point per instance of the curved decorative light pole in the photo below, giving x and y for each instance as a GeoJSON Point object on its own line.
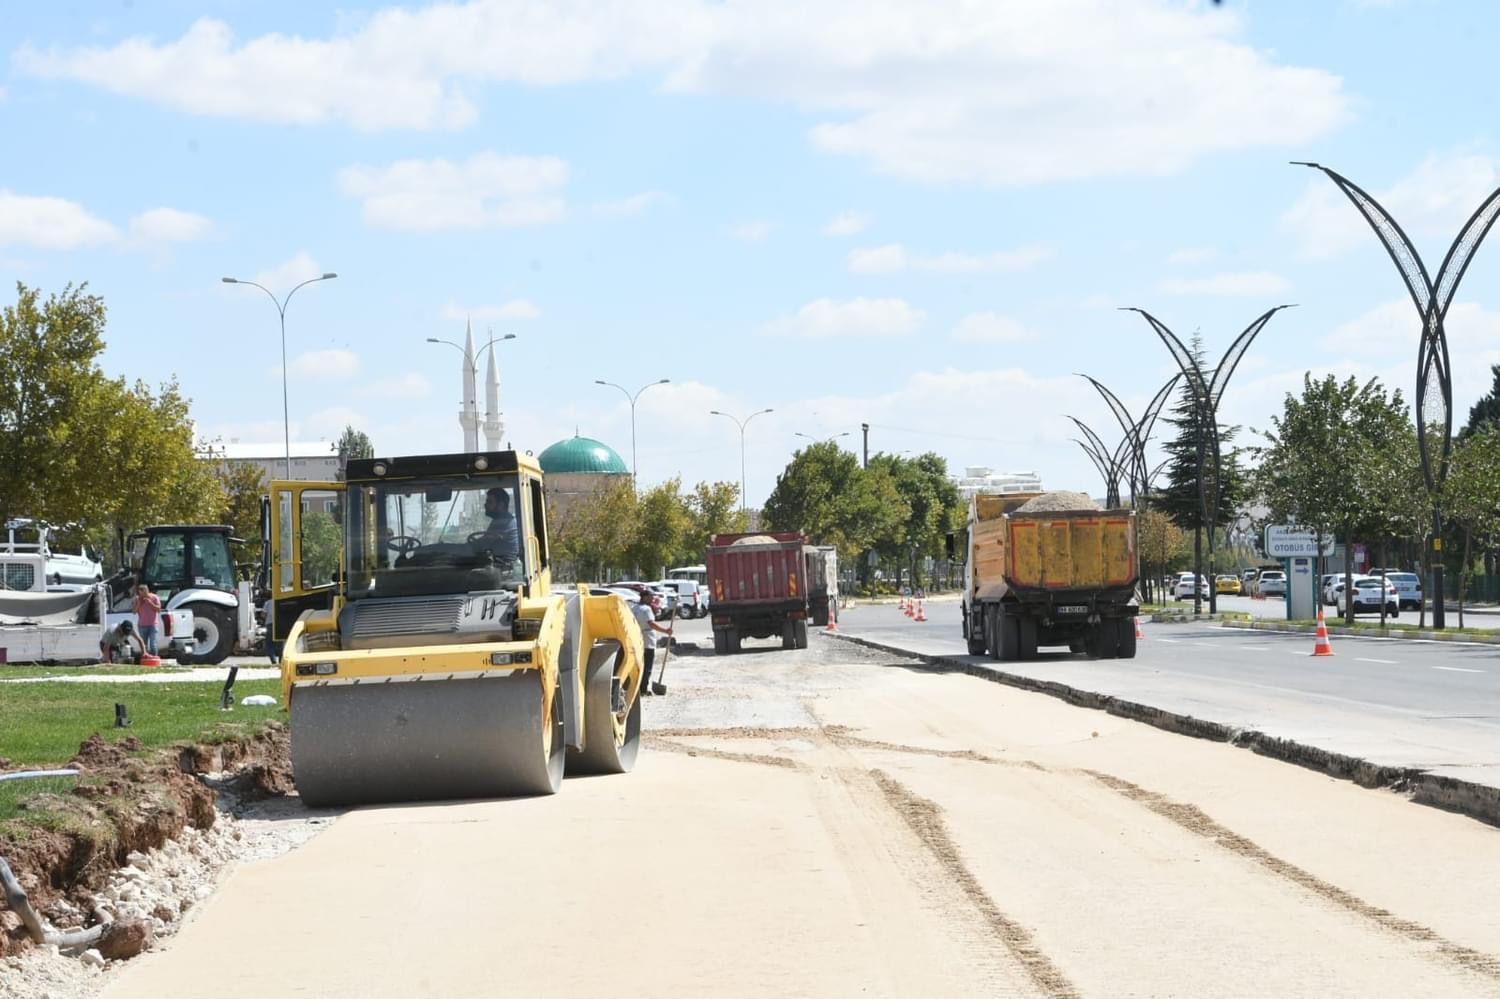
{"type": "Point", "coordinates": [820, 440]}
{"type": "Point", "coordinates": [1431, 296]}
{"type": "Point", "coordinates": [634, 483]}
{"type": "Point", "coordinates": [281, 304]}
{"type": "Point", "coordinates": [741, 424]}
{"type": "Point", "coordinates": [1138, 433]}
{"type": "Point", "coordinates": [1206, 394]}
{"type": "Point", "coordinates": [1111, 466]}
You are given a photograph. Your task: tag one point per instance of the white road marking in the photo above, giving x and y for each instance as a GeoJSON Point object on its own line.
{"type": "Point", "coordinates": [1383, 662]}
{"type": "Point", "coordinates": [1253, 648]}
{"type": "Point", "coordinates": [1168, 641]}
{"type": "Point", "coordinates": [1458, 669]}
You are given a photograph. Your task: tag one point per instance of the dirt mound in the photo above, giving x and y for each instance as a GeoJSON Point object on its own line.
{"type": "Point", "coordinates": [755, 539]}
{"type": "Point", "coordinates": [1056, 501]}
{"type": "Point", "coordinates": [126, 801]}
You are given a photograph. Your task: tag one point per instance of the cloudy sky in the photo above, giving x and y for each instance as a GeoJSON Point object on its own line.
{"type": "Point", "coordinates": [921, 216]}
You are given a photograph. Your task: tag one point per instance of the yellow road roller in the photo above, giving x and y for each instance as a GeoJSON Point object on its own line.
{"type": "Point", "coordinates": [430, 657]}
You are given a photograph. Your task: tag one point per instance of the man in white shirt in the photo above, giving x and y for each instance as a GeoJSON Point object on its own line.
{"type": "Point", "coordinates": [646, 620]}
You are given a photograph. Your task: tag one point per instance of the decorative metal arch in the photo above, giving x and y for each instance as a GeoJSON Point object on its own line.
{"type": "Point", "coordinates": [1206, 393]}
{"type": "Point", "coordinates": [1110, 464]}
{"type": "Point", "coordinates": [1136, 432]}
{"type": "Point", "coordinates": [1434, 405]}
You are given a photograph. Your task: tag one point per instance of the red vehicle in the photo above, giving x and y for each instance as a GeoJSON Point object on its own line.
{"type": "Point", "coordinates": [757, 587]}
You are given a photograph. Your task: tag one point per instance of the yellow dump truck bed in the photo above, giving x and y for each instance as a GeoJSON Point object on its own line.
{"type": "Point", "coordinates": [1049, 551]}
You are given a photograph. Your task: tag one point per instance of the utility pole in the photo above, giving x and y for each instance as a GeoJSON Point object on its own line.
{"type": "Point", "coordinates": [865, 429]}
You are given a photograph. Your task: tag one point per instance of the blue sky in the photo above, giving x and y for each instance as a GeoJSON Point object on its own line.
{"type": "Point", "coordinates": [920, 216]}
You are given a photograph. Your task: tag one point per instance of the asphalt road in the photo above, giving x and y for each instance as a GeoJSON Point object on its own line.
{"type": "Point", "coordinates": [833, 822]}
{"type": "Point", "coordinates": [1428, 705]}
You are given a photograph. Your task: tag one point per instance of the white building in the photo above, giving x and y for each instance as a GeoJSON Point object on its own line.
{"type": "Point", "coordinates": [316, 461]}
{"type": "Point", "coordinates": [981, 479]}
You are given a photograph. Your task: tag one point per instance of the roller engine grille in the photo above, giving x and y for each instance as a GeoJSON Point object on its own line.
{"type": "Point", "coordinates": [419, 616]}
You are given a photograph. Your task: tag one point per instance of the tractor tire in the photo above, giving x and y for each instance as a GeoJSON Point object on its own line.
{"type": "Point", "coordinates": [1126, 646]}
{"type": "Point", "coordinates": [213, 634]}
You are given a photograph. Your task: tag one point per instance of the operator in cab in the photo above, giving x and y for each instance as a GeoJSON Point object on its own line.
{"type": "Point", "coordinates": [502, 538]}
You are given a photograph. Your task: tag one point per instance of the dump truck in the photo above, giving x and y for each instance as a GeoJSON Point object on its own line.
{"type": "Point", "coordinates": [822, 583]}
{"type": "Point", "coordinates": [1048, 577]}
{"type": "Point", "coordinates": [440, 664]}
{"type": "Point", "coordinates": [757, 587]}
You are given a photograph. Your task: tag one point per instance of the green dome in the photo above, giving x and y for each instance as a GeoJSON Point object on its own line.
{"type": "Point", "coordinates": [581, 454]}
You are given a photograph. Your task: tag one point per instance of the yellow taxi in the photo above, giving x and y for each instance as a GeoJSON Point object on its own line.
{"type": "Point", "coordinates": [1227, 584]}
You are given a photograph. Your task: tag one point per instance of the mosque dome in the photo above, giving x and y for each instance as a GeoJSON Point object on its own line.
{"type": "Point", "coordinates": [585, 455]}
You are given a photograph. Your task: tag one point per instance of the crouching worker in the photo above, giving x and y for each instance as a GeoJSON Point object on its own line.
{"type": "Point", "coordinates": [647, 622]}
{"type": "Point", "coordinates": [115, 647]}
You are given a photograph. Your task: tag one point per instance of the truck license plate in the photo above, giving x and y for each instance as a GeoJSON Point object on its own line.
{"type": "Point", "coordinates": [1072, 609]}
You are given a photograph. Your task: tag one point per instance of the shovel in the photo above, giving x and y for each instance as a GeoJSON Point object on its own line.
{"type": "Point", "coordinates": [657, 687]}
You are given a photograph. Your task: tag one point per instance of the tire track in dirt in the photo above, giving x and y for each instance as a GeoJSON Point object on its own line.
{"type": "Point", "coordinates": [925, 819]}
{"type": "Point", "coordinates": [842, 735]}
{"type": "Point", "coordinates": [1194, 820]}
{"type": "Point", "coordinates": [765, 760]}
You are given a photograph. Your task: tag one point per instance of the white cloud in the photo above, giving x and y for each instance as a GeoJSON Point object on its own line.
{"type": "Point", "coordinates": [1433, 201]}
{"type": "Point", "coordinates": [50, 223]}
{"type": "Point", "coordinates": [301, 267]}
{"type": "Point", "coordinates": [1192, 255]}
{"type": "Point", "coordinates": [750, 232]}
{"type": "Point", "coordinates": [410, 386]}
{"type": "Point", "coordinates": [1246, 284]}
{"type": "Point", "coordinates": [847, 224]}
{"type": "Point", "coordinates": [894, 257]}
{"type": "Point", "coordinates": [990, 327]}
{"type": "Point", "coordinates": [516, 308]}
{"type": "Point", "coordinates": [636, 204]}
{"type": "Point", "coordinates": [998, 93]}
{"type": "Point", "coordinates": [169, 225]}
{"type": "Point", "coordinates": [485, 191]}
{"type": "Point", "coordinates": [857, 317]}
{"type": "Point", "coordinates": [330, 363]}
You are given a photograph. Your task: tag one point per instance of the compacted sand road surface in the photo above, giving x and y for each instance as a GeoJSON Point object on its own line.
{"type": "Point", "coordinates": [833, 822]}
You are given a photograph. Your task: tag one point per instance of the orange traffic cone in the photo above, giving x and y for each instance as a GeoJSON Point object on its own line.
{"type": "Point", "coordinates": [149, 660]}
{"type": "Point", "coordinates": [910, 609]}
{"type": "Point", "coordinates": [920, 615]}
{"type": "Point", "coordinates": [833, 622]}
{"type": "Point", "coordinates": [1321, 646]}
{"type": "Point", "coordinates": [1139, 634]}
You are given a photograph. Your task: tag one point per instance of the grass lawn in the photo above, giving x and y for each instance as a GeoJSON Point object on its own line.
{"type": "Point", "coordinates": [42, 724]}
{"type": "Point", "coordinates": [8, 672]}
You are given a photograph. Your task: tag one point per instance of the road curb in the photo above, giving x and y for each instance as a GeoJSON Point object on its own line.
{"type": "Point", "coordinates": [1287, 628]}
{"type": "Point", "coordinates": [1477, 801]}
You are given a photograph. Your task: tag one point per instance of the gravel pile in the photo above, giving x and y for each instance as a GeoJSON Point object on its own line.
{"type": "Point", "coordinates": [159, 888]}
{"type": "Point", "coordinates": [1060, 499]}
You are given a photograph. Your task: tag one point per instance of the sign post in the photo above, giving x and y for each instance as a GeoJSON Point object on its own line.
{"type": "Point", "coordinates": [1297, 549]}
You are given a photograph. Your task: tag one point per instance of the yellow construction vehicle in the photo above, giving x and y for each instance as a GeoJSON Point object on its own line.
{"type": "Point", "coordinates": [436, 661]}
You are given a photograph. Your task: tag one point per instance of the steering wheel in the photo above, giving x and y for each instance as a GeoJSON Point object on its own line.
{"type": "Point", "coordinates": [403, 543]}
{"type": "Point", "coordinates": [477, 537]}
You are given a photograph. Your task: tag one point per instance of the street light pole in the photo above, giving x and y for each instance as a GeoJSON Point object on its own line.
{"type": "Point", "coordinates": [634, 469]}
{"type": "Point", "coordinates": [820, 440]}
{"type": "Point", "coordinates": [741, 424]}
{"type": "Point", "coordinates": [286, 425]}
{"type": "Point", "coordinates": [473, 368]}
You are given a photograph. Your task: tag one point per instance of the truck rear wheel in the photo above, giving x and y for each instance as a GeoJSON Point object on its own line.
{"type": "Point", "coordinates": [1103, 641]}
{"type": "Point", "coordinates": [721, 642]}
{"type": "Point", "coordinates": [1026, 640]}
{"type": "Point", "coordinates": [732, 640]}
{"type": "Point", "coordinates": [1127, 639]}
{"type": "Point", "coordinates": [789, 635]}
{"type": "Point", "coordinates": [820, 615]}
{"type": "Point", "coordinates": [799, 632]}
{"type": "Point", "coordinates": [977, 646]}
{"type": "Point", "coordinates": [1008, 632]}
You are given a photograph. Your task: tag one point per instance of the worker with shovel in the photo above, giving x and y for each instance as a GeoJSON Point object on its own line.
{"type": "Point", "coordinates": [647, 622]}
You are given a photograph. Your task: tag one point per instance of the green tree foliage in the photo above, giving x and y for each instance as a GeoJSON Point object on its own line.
{"type": "Point", "coordinates": [597, 531]}
{"type": "Point", "coordinates": [662, 521]}
{"type": "Point", "coordinates": [713, 508]}
{"type": "Point", "coordinates": [1485, 412]}
{"type": "Point", "coordinates": [353, 444]}
{"type": "Point", "coordinates": [322, 542]}
{"type": "Point", "coordinates": [825, 494]}
{"type": "Point", "coordinates": [1160, 542]}
{"type": "Point", "coordinates": [1472, 497]}
{"type": "Point", "coordinates": [933, 500]}
{"type": "Point", "coordinates": [1326, 455]}
{"type": "Point", "coordinates": [243, 484]}
{"type": "Point", "coordinates": [1179, 499]}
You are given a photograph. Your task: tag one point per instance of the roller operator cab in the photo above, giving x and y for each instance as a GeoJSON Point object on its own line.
{"type": "Point", "coordinates": [430, 658]}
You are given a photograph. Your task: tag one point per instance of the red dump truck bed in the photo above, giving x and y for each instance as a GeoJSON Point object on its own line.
{"type": "Point", "coordinates": [757, 588]}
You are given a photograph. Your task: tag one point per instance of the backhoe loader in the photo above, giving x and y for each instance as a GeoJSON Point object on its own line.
{"type": "Point", "coordinates": [439, 663]}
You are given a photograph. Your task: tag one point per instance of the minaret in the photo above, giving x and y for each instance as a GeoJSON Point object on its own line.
{"type": "Point", "coordinates": [494, 427]}
{"type": "Point", "coordinates": [468, 418]}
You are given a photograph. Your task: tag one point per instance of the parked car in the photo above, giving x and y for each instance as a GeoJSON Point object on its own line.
{"type": "Point", "coordinates": [658, 600]}
{"type": "Point", "coordinates": [1326, 585]}
{"type": "Point", "coordinates": [1183, 588]}
{"type": "Point", "coordinates": [1369, 593]}
{"type": "Point", "coordinates": [703, 606]}
{"type": "Point", "coordinates": [1227, 584]}
{"type": "Point", "coordinates": [68, 564]}
{"type": "Point", "coordinates": [1272, 583]}
{"type": "Point", "coordinates": [1248, 576]}
{"type": "Point", "coordinates": [1408, 587]}
{"type": "Point", "coordinates": [688, 604]}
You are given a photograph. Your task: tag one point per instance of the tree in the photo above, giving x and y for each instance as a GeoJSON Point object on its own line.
{"type": "Point", "coordinates": [923, 484]}
{"type": "Point", "coordinates": [1181, 499]}
{"type": "Point", "coordinates": [824, 493]}
{"type": "Point", "coordinates": [598, 530]}
{"type": "Point", "coordinates": [662, 522]}
{"type": "Point", "coordinates": [49, 350]}
{"type": "Point", "coordinates": [713, 508]}
{"type": "Point", "coordinates": [353, 444]}
{"type": "Point", "coordinates": [243, 485]}
{"type": "Point", "coordinates": [1161, 543]}
{"type": "Point", "coordinates": [1485, 412]}
{"type": "Point", "coordinates": [1472, 497]}
{"type": "Point", "coordinates": [1324, 456]}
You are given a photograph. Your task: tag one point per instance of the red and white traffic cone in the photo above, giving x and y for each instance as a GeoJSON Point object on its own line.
{"type": "Point", "coordinates": [910, 607]}
{"type": "Point", "coordinates": [1321, 645]}
{"type": "Point", "coordinates": [920, 615]}
{"type": "Point", "coordinates": [1139, 634]}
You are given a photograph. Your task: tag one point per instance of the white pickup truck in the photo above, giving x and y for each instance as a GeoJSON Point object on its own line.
{"type": "Point", "coordinates": [75, 564]}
